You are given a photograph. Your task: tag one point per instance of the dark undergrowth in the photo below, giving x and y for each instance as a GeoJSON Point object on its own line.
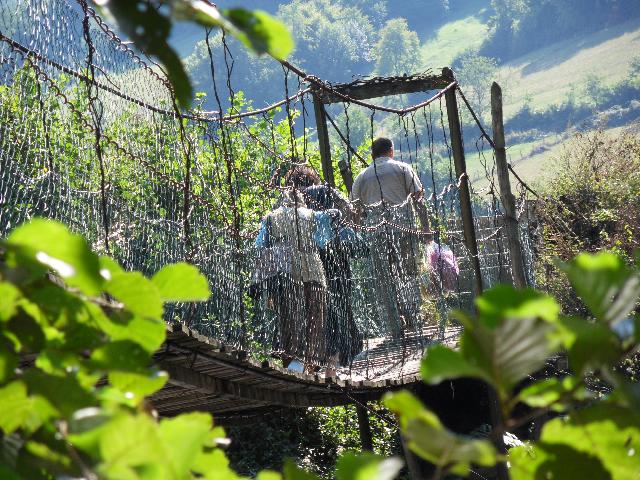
{"type": "Point", "coordinates": [313, 437]}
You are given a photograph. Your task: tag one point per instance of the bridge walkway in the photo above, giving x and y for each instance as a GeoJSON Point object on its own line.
{"type": "Point", "coordinates": [208, 375]}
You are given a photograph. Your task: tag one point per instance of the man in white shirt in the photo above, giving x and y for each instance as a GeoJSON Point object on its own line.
{"type": "Point", "coordinates": [386, 194]}
{"type": "Point", "coordinates": [385, 179]}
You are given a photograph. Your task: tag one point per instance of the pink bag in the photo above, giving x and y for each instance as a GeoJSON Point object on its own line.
{"type": "Point", "coordinates": [442, 265]}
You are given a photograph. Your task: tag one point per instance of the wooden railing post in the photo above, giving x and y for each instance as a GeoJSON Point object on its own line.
{"type": "Point", "coordinates": [365, 428]}
{"type": "Point", "coordinates": [508, 200]}
{"type": "Point", "coordinates": [323, 140]}
{"type": "Point", "coordinates": [347, 174]}
{"type": "Point", "coordinates": [470, 240]}
{"type": "Point", "coordinates": [465, 195]}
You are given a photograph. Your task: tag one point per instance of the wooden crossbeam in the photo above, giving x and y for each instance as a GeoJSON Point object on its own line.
{"type": "Point", "coordinates": [383, 87]}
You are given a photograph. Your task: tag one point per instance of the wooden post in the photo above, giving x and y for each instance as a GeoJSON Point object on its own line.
{"type": "Point", "coordinates": [508, 200]}
{"type": "Point", "coordinates": [365, 428]}
{"type": "Point", "coordinates": [347, 174]}
{"type": "Point", "coordinates": [470, 241]}
{"type": "Point", "coordinates": [323, 140]}
{"type": "Point", "coordinates": [465, 196]}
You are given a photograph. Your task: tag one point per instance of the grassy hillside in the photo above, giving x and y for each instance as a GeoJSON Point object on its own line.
{"type": "Point", "coordinates": [537, 161]}
{"type": "Point", "coordinates": [548, 75]}
{"type": "Point", "coordinates": [452, 39]}
{"type": "Point", "coordinates": [542, 78]}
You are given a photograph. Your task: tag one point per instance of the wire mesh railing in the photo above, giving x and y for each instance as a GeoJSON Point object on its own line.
{"type": "Point", "coordinates": [90, 135]}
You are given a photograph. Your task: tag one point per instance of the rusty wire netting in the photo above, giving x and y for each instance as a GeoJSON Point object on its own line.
{"type": "Point", "coordinates": [90, 135]}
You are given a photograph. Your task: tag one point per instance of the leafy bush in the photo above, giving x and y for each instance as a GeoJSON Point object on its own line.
{"type": "Point", "coordinates": [593, 203]}
{"type": "Point", "coordinates": [59, 342]}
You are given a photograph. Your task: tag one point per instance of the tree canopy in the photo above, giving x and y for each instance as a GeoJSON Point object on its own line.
{"type": "Point", "coordinates": [395, 51]}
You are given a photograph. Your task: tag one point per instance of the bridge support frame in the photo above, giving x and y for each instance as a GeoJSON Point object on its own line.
{"type": "Point", "coordinates": [471, 243]}
{"type": "Point", "coordinates": [364, 426]}
{"type": "Point", "coordinates": [508, 200]}
{"type": "Point", "coordinates": [466, 212]}
{"type": "Point", "coordinates": [323, 141]}
{"type": "Point", "coordinates": [363, 90]}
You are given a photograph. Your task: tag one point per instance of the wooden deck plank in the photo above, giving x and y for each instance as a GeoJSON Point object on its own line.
{"type": "Point", "coordinates": [209, 375]}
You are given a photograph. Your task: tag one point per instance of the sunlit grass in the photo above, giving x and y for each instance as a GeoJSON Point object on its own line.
{"type": "Point", "coordinates": [535, 161]}
{"type": "Point", "coordinates": [451, 40]}
{"type": "Point", "coordinates": [547, 75]}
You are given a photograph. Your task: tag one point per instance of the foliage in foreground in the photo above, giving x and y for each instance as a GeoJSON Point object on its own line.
{"type": "Point", "coordinates": [594, 435]}
{"type": "Point", "coordinates": [75, 370]}
{"type": "Point", "coordinates": [59, 342]}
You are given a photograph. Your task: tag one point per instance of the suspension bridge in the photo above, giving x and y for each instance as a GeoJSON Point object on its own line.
{"type": "Point", "coordinates": [90, 135]}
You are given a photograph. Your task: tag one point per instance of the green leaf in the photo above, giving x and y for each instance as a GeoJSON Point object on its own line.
{"type": "Point", "coordinates": [181, 282]}
{"type": "Point", "coordinates": [27, 331]}
{"type": "Point", "coordinates": [139, 294]}
{"type": "Point", "coordinates": [122, 355]}
{"type": "Point", "coordinates": [608, 287]}
{"type": "Point", "coordinates": [187, 435]}
{"type": "Point", "coordinates": [53, 362]}
{"type": "Point", "coordinates": [554, 461]}
{"type": "Point", "coordinates": [149, 28]}
{"type": "Point", "coordinates": [404, 404]}
{"type": "Point", "coordinates": [504, 301]}
{"type": "Point", "coordinates": [291, 471]}
{"type": "Point", "coordinates": [508, 340]}
{"type": "Point", "coordinates": [214, 465]}
{"type": "Point", "coordinates": [138, 384]}
{"type": "Point", "coordinates": [127, 443]}
{"type": "Point", "coordinates": [609, 432]}
{"type": "Point", "coordinates": [18, 410]}
{"type": "Point", "coordinates": [109, 267]}
{"type": "Point", "coordinates": [51, 456]}
{"type": "Point", "coordinates": [14, 406]}
{"type": "Point", "coordinates": [50, 244]}
{"type": "Point", "coordinates": [41, 411]}
{"type": "Point", "coordinates": [268, 475]}
{"type": "Point", "coordinates": [59, 305]}
{"type": "Point", "coordinates": [552, 392]}
{"type": "Point", "coordinates": [64, 393]}
{"type": "Point", "coordinates": [590, 345]}
{"type": "Point", "coordinates": [441, 363]}
{"type": "Point", "coordinates": [261, 32]}
{"type": "Point", "coordinates": [367, 466]}
{"type": "Point", "coordinates": [429, 439]}
{"type": "Point", "coordinates": [508, 353]}
{"type": "Point", "coordinates": [257, 29]}
{"type": "Point", "coordinates": [10, 296]}
{"type": "Point", "coordinates": [79, 337]}
{"type": "Point", "coordinates": [8, 360]}
{"type": "Point", "coordinates": [148, 333]}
